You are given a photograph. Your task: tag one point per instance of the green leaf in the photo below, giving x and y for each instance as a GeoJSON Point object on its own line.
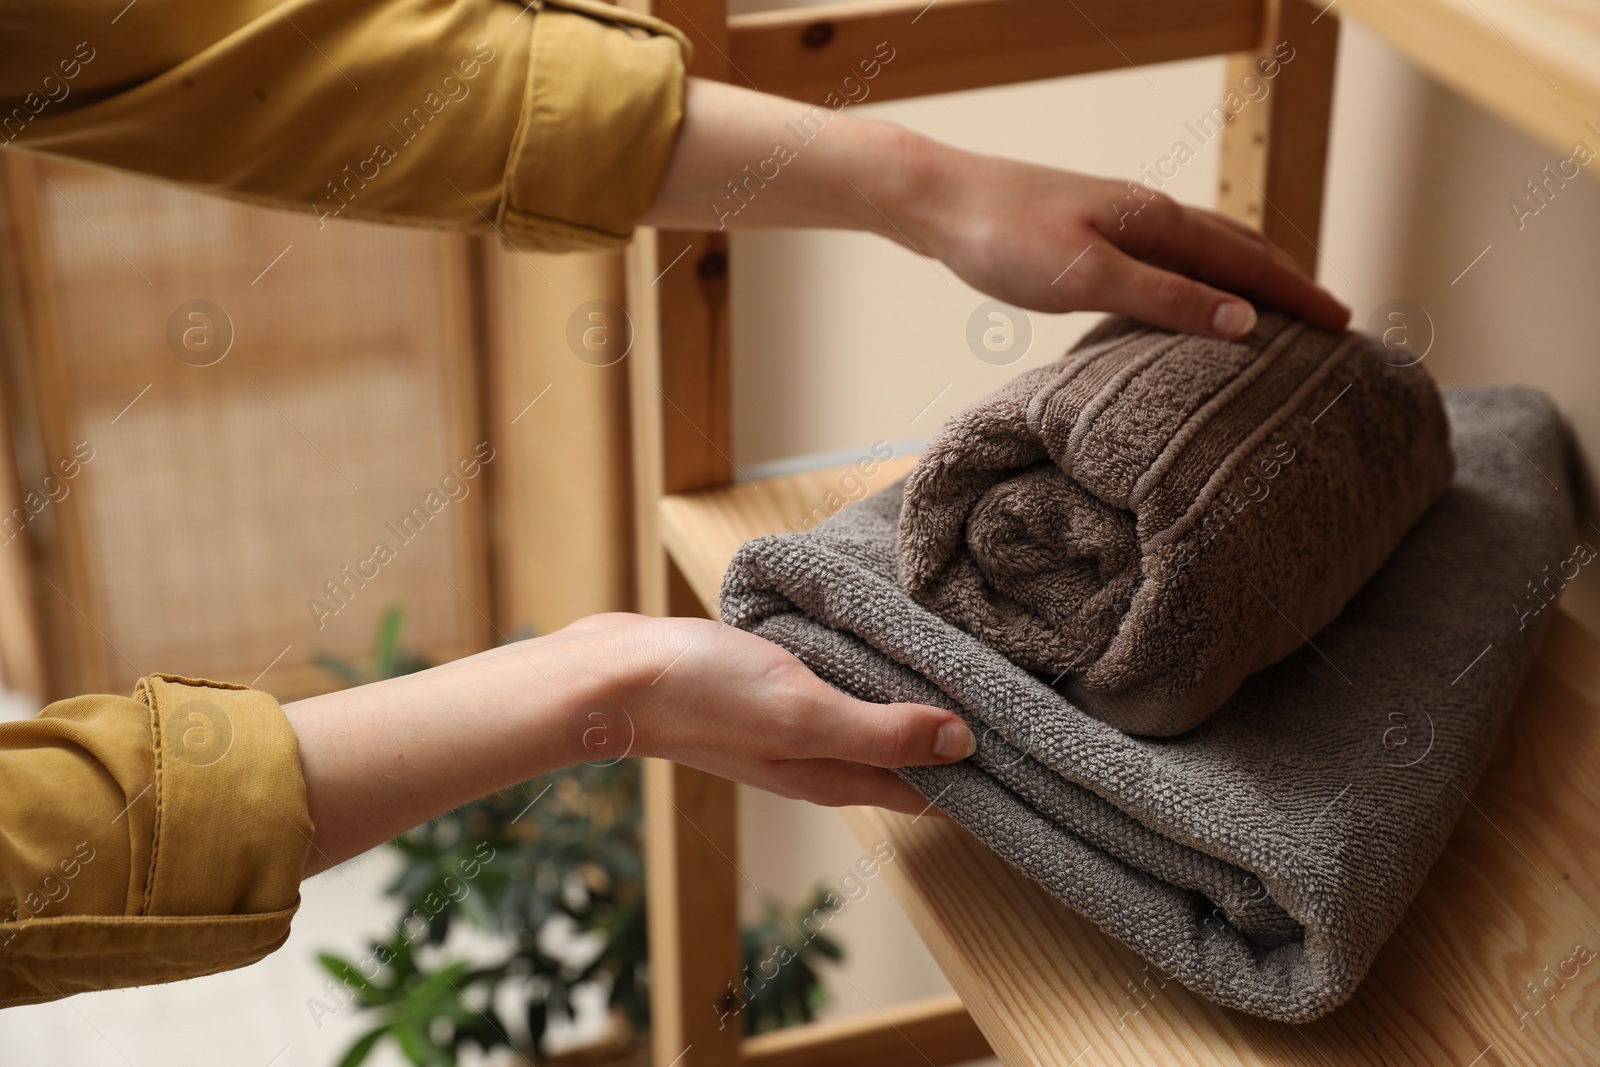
{"type": "Point", "coordinates": [439, 988]}
{"type": "Point", "coordinates": [387, 646]}
{"type": "Point", "coordinates": [359, 1051]}
{"type": "Point", "coordinates": [344, 971]}
{"type": "Point", "coordinates": [417, 1047]}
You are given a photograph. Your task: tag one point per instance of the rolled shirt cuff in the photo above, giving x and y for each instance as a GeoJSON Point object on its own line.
{"type": "Point", "coordinates": [231, 824]}
{"type": "Point", "coordinates": [602, 106]}
{"type": "Point", "coordinates": [216, 840]}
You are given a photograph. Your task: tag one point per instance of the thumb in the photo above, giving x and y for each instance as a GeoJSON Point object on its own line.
{"type": "Point", "coordinates": [891, 735]}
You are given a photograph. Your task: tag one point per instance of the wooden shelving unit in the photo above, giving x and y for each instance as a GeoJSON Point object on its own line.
{"type": "Point", "coordinates": [1520, 880]}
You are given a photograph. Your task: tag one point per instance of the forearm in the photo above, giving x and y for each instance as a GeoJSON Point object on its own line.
{"type": "Point", "coordinates": [382, 758]}
{"type": "Point", "coordinates": [747, 160]}
{"type": "Point", "coordinates": [379, 759]}
{"type": "Point", "coordinates": [1043, 239]}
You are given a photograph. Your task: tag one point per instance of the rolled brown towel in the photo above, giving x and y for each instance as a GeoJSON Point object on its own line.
{"type": "Point", "coordinates": [1155, 516]}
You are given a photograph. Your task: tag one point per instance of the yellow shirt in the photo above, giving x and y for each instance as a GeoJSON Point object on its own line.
{"type": "Point", "coordinates": [552, 124]}
{"type": "Point", "coordinates": [162, 837]}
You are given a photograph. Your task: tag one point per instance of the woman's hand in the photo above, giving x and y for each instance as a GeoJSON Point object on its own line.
{"type": "Point", "coordinates": [1051, 240]}
{"type": "Point", "coordinates": [707, 695]}
{"type": "Point", "coordinates": [1044, 239]}
{"type": "Point", "coordinates": [381, 758]}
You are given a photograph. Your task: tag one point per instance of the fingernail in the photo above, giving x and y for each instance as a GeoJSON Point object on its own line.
{"type": "Point", "coordinates": [1233, 318]}
{"type": "Point", "coordinates": [954, 742]}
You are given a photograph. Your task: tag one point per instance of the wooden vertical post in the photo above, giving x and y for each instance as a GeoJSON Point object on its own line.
{"type": "Point", "coordinates": [72, 646]}
{"type": "Point", "coordinates": [21, 637]}
{"type": "Point", "coordinates": [1275, 151]}
{"type": "Point", "coordinates": [21, 650]}
{"type": "Point", "coordinates": [541, 401]}
{"type": "Point", "coordinates": [678, 365]}
{"type": "Point", "coordinates": [679, 390]}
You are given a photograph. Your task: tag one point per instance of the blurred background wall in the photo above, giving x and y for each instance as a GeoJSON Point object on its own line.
{"type": "Point", "coordinates": [843, 340]}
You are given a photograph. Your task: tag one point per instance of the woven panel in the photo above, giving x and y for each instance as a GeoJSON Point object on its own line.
{"type": "Point", "coordinates": [222, 498]}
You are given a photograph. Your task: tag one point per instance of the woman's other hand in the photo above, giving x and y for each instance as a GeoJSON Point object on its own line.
{"type": "Point", "coordinates": [725, 701]}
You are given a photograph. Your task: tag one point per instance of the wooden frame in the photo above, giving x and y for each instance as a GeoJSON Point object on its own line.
{"type": "Point", "coordinates": [969, 44]}
{"type": "Point", "coordinates": [689, 520]}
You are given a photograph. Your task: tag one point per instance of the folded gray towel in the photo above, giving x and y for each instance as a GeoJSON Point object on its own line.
{"type": "Point", "coordinates": [1101, 519]}
{"type": "Point", "coordinates": [1263, 857]}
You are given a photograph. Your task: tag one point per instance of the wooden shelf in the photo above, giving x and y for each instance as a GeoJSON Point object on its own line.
{"type": "Point", "coordinates": [1516, 890]}
{"type": "Point", "coordinates": [924, 1033]}
{"type": "Point", "coordinates": [1531, 62]}
{"type": "Point", "coordinates": [703, 530]}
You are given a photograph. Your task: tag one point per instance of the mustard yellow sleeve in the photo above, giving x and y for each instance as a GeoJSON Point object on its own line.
{"type": "Point", "coordinates": [146, 839]}
{"type": "Point", "coordinates": [551, 125]}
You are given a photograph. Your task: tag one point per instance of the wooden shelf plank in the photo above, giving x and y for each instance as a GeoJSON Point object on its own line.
{"type": "Point", "coordinates": [924, 1033]}
{"type": "Point", "coordinates": [806, 53]}
{"type": "Point", "coordinates": [703, 530]}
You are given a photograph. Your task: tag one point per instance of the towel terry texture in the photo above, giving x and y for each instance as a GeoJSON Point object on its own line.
{"type": "Point", "coordinates": [1093, 518]}
{"type": "Point", "coordinates": [1263, 857]}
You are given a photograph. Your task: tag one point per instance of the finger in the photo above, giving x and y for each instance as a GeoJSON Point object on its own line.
{"type": "Point", "coordinates": [1247, 263]}
{"type": "Point", "coordinates": [1124, 285]}
{"type": "Point", "coordinates": [1225, 254]}
{"type": "Point", "coordinates": [885, 735]}
{"type": "Point", "coordinates": [841, 783]}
